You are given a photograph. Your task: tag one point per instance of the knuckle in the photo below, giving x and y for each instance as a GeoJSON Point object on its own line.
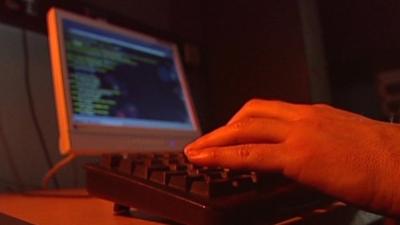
{"type": "Point", "coordinates": [243, 151]}
{"type": "Point", "coordinates": [322, 108]}
{"type": "Point", "coordinates": [253, 102]}
{"type": "Point", "coordinates": [238, 130]}
{"type": "Point", "coordinates": [239, 125]}
{"type": "Point", "coordinates": [212, 154]}
{"type": "Point", "coordinates": [310, 123]}
{"type": "Point", "coordinates": [321, 105]}
{"type": "Point", "coordinates": [310, 112]}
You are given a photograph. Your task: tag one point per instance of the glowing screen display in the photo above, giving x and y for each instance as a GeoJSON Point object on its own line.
{"type": "Point", "coordinates": [116, 80]}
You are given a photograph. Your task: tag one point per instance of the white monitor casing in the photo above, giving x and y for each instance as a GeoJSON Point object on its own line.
{"type": "Point", "coordinates": [98, 139]}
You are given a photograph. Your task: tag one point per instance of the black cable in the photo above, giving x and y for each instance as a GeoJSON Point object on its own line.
{"type": "Point", "coordinates": [11, 163]}
{"type": "Point", "coordinates": [31, 104]}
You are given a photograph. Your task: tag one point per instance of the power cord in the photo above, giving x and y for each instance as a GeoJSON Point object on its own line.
{"type": "Point", "coordinates": [31, 104]}
{"type": "Point", "coordinates": [57, 167]}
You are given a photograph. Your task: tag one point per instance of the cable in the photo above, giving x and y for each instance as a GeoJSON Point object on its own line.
{"type": "Point", "coordinates": [10, 159]}
{"type": "Point", "coordinates": [31, 104]}
{"type": "Point", "coordinates": [61, 164]}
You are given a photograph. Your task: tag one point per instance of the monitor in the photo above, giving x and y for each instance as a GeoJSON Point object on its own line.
{"type": "Point", "coordinates": [117, 90]}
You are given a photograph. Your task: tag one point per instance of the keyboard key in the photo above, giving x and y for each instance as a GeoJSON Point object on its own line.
{"type": "Point", "coordinates": [110, 161]}
{"type": "Point", "coordinates": [140, 170]}
{"type": "Point", "coordinates": [228, 173]}
{"type": "Point", "coordinates": [126, 166]}
{"type": "Point", "coordinates": [221, 187]}
{"type": "Point", "coordinates": [156, 168]}
{"type": "Point", "coordinates": [163, 177]}
{"type": "Point", "coordinates": [178, 181]}
{"type": "Point", "coordinates": [177, 167]}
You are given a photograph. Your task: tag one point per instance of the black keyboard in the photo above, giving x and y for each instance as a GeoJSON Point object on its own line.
{"type": "Point", "coordinates": [169, 186]}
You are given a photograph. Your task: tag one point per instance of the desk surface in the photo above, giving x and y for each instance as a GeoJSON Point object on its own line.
{"type": "Point", "coordinates": [65, 207]}
{"type": "Point", "coordinates": [75, 207]}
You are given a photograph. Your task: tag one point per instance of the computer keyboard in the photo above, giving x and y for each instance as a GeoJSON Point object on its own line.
{"type": "Point", "coordinates": [167, 185]}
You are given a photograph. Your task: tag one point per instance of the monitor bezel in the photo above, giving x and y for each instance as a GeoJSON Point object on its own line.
{"type": "Point", "coordinates": [68, 131]}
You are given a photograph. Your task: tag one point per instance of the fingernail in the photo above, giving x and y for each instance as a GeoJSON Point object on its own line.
{"type": "Point", "coordinates": [196, 155]}
{"type": "Point", "coordinates": [190, 152]}
{"type": "Point", "coordinates": [188, 146]}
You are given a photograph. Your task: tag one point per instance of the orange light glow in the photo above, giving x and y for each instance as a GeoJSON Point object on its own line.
{"type": "Point", "coordinates": [57, 70]}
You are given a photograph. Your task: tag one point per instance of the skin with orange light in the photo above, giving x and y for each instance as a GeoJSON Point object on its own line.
{"type": "Point", "coordinates": [348, 156]}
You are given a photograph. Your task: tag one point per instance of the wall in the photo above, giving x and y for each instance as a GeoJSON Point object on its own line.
{"type": "Point", "coordinates": [315, 52]}
{"type": "Point", "coordinates": [152, 13]}
{"type": "Point", "coordinates": [361, 39]}
{"type": "Point", "coordinates": [22, 155]}
{"type": "Point", "coordinates": [253, 49]}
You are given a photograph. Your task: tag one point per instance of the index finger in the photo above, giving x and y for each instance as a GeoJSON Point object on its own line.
{"type": "Point", "coordinates": [255, 130]}
{"type": "Point", "coordinates": [266, 157]}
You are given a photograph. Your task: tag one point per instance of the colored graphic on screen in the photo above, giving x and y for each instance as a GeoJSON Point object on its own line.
{"type": "Point", "coordinates": [120, 81]}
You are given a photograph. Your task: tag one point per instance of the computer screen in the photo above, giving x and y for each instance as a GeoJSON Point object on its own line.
{"type": "Point", "coordinates": [117, 90]}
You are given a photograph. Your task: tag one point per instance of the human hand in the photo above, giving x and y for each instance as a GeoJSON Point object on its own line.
{"type": "Point", "coordinates": [348, 156]}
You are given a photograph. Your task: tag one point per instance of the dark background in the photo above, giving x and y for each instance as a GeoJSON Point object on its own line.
{"type": "Point", "coordinates": [362, 39]}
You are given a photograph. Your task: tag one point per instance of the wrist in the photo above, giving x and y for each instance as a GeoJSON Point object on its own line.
{"type": "Point", "coordinates": [391, 170]}
{"type": "Point", "coordinates": [385, 180]}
